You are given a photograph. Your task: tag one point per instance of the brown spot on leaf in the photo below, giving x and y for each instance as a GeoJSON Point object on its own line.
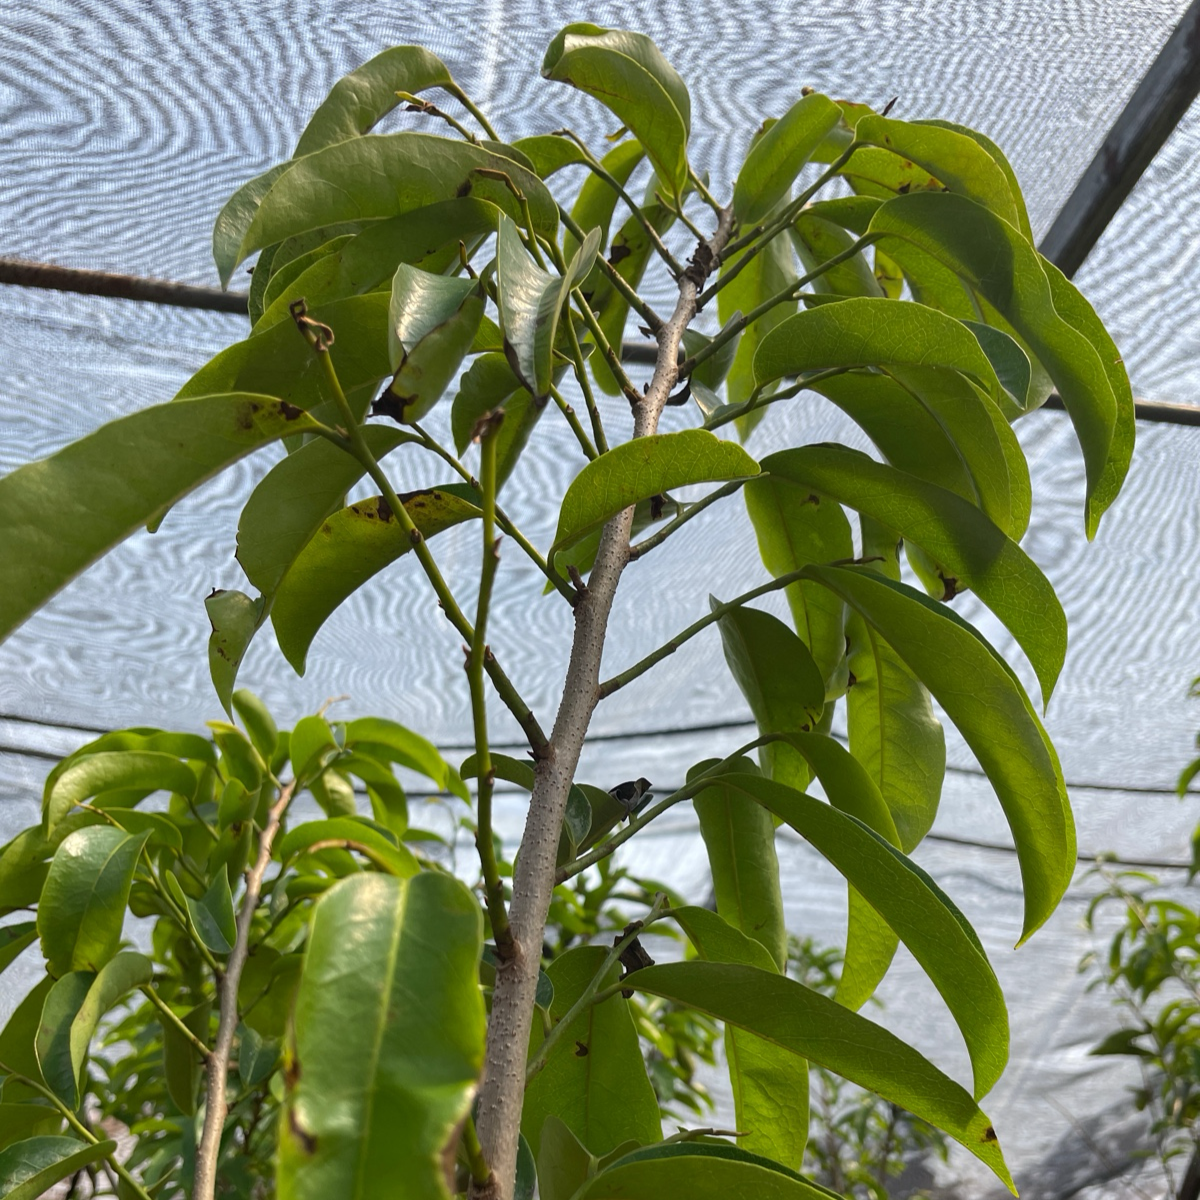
{"type": "Point", "coordinates": [850, 680]}
{"type": "Point", "coordinates": [581, 1050]}
{"type": "Point", "coordinates": [290, 411]}
{"type": "Point", "coordinates": [464, 188]}
{"type": "Point", "coordinates": [903, 189]}
{"type": "Point", "coordinates": [989, 1134]}
{"type": "Point", "coordinates": [619, 251]}
{"type": "Point", "coordinates": [383, 509]}
{"type": "Point", "coordinates": [950, 586]}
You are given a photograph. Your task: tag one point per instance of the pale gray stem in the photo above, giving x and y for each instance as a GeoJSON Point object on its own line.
{"type": "Point", "coordinates": [218, 1061]}
{"type": "Point", "coordinates": [503, 1087]}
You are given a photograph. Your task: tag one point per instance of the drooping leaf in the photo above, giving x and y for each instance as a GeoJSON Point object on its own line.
{"type": "Point", "coordinates": [18, 1042]}
{"type": "Point", "coordinates": [50, 526]}
{"type": "Point", "coordinates": [817, 241]}
{"type": "Point", "coordinates": [257, 1056]}
{"type": "Point", "coordinates": [1009, 359]}
{"type": "Point", "coordinates": [234, 617]}
{"type": "Point", "coordinates": [29, 1169]}
{"type": "Point", "coordinates": [260, 725]}
{"type": "Point", "coordinates": [351, 833]}
{"type": "Point", "coordinates": [564, 1164]}
{"type": "Point", "coordinates": [548, 153]}
{"type": "Point", "coordinates": [984, 699]}
{"type": "Point", "coordinates": [382, 1102]}
{"type": "Point", "coordinates": [782, 684]}
{"type": "Point", "coordinates": [385, 175]}
{"type": "Point", "coordinates": [642, 468]}
{"type": "Point", "coordinates": [239, 759]}
{"type": "Point", "coordinates": [82, 909]}
{"type": "Point", "coordinates": [489, 384]}
{"type": "Point", "coordinates": [972, 550]}
{"type": "Point", "coordinates": [594, 1080]}
{"type": "Point", "coordinates": [212, 915]}
{"type": "Point", "coordinates": [284, 273]}
{"type": "Point", "coordinates": [234, 219]}
{"type": "Point", "coordinates": [804, 1022]}
{"type": "Point", "coordinates": [14, 939]}
{"type": "Point", "coordinates": [993, 258]}
{"type": "Point", "coordinates": [387, 741]}
{"type": "Point", "coordinates": [531, 301]}
{"type": "Point", "coordinates": [777, 157]}
{"type": "Point", "coordinates": [181, 1060]}
{"type": "Point", "coordinates": [628, 74]}
{"type": "Point", "coordinates": [597, 199]}
{"type": "Point", "coordinates": [770, 1086]}
{"type": "Point", "coordinates": [72, 1014]}
{"type": "Point", "coordinates": [348, 549]}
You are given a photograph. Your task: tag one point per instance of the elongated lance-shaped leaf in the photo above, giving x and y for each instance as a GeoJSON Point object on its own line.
{"type": "Point", "coordinates": [388, 742]}
{"type": "Point", "coordinates": [82, 907]}
{"type": "Point", "coordinates": [778, 156]}
{"type": "Point", "coordinates": [285, 272]}
{"type": "Point", "coordinates": [51, 528]}
{"type": "Point", "coordinates": [531, 301]}
{"type": "Point", "coordinates": [770, 1086]}
{"type": "Point", "coordinates": [782, 684]}
{"type": "Point", "coordinates": [234, 617]}
{"type": "Point", "coordinates": [983, 697]}
{"type": "Point", "coordinates": [490, 384]}
{"type": "Point", "coordinates": [872, 332]}
{"type": "Point", "coordinates": [382, 1101]}
{"type": "Point", "coordinates": [385, 175]}
{"type": "Point", "coordinates": [643, 468]}
{"type": "Point", "coordinates": [72, 1014]}
{"type": "Point", "coordinates": [954, 532]}
{"type": "Point", "coordinates": [432, 321]}
{"type": "Point", "coordinates": [383, 849]}
{"type": "Point", "coordinates": [604, 1095]}
{"type": "Point", "coordinates": [795, 527]}
{"type": "Point", "coordinates": [740, 840]}
{"type": "Point", "coordinates": [349, 548]}
{"type": "Point", "coordinates": [926, 920]}
{"type": "Point", "coordinates": [427, 237]}
{"type": "Point", "coordinates": [804, 1022]}
{"type": "Point", "coordinates": [597, 199]}
{"type": "Point", "coordinates": [628, 74]}
{"type": "Point", "coordinates": [30, 1168]}
{"type": "Point", "coordinates": [994, 259]}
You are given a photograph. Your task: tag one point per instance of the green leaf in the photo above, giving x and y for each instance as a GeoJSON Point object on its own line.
{"type": "Point", "coordinates": [257, 1057]}
{"type": "Point", "coordinates": [594, 1080]}
{"type": "Point", "coordinates": [50, 526]}
{"type": "Point", "coordinates": [957, 159]}
{"type": "Point", "coordinates": [109, 771]}
{"type": "Point", "coordinates": [550, 153]}
{"type": "Point", "coordinates": [387, 741]}
{"type": "Point", "coordinates": [803, 1022]}
{"type": "Point", "coordinates": [23, 867]}
{"type": "Point", "coordinates": [239, 759]}
{"type": "Point", "coordinates": [531, 301]}
{"type": "Point", "coordinates": [234, 617]}
{"type": "Point", "coordinates": [872, 332]}
{"type": "Point", "coordinates": [770, 1087]}
{"type": "Point", "coordinates": [628, 74]}
{"type": "Point", "coordinates": [597, 200]}
{"type": "Point", "coordinates": [386, 175]}
{"type": "Point", "coordinates": [311, 745]}
{"type": "Point", "coordinates": [972, 551]}
{"type": "Point", "coordinates": [14, 939]}
{"type": "Point", "coordinates": [234, 219]}
{"type": "Point", "coordinates": [359, 100]}
{"type": "Point", "coordinates": [817, 241]}
{"type": "Point", "coordinates": [564, 1164]}
{"type": "Point", "coordinates": [740, 840]}
{"type": "Point", "coordinates": [781, 683]}
{"type": "Point", "coordinates": [1006, 356]}
{"type": "Point", "coordinates": [700, 1171]}
{"type": "Point", "coordinates": [777, 157]}
{"type": "Point", "coordinates": [383, 1101]}
{"type": "Point", "coordinates": [18, 1038]}
{"type": "Point", "coordinates": [212, 915]}
{"type": "Point", "coordinates": [72, 1014]}
{"type": "Point", "coordinates": [640, 469]}
{"type": "Point", "coordinates": [236, 804]}
{"type": "Point", "coordinates": [990, 256]}
{"type": "Point", "coordinates": [368, 839]}
{"type": "Point", "coordinates": [82, 908]}
{"type": "Point", "coordinates": [181, 1060]}
{"type": "Point", "coordinates": [284, 273]}
{"type": "Point", "coordinates": [795, 527]}
{"type": "Point", "coordinates": [432, 320]}
{"type": "Point", "coordinates": [349, 548]}
{"type": "Point", "coordinates": [260, 725]}
{"type": "Point", "coordinates": [20, 1121]}
{"type": "Point", "coordinates": [926, 920]}
{"type": "Point", "coordinates": [31, 1168]}
{"type": "Point", "coordinates": [984, 699]}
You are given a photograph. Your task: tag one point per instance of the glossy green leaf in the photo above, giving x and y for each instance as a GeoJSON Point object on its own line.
{"type": "Point", "coordinates": [349, 548]}
{"type": "Point", "coordinates": [713, 370]}
{"type": "Point", "coordinates": [383, 1101]}
{"type": "Point", "coordinates": [700, 1171]}
{"type": "Point", "coordinates": [387, 741]}
{"type": "Point", "coordinates": [771, 270]}
{"type": "Point", "coordinates": [212, 915]}
{"type": "Point", "coordinates": [594, 1080]}
{"type": "Point", "coordinates": [29, 1169]}
{"type": "Point", "coordinates": [352, 833]}
{"type": "Point", "coordinates": [236, 804]}
{"type": "Point", "coordinates": [957, 159]}
{"type": "Point", "coordinates": [50, 526]}
{"type": "Point", "coordinates": [804, 1022]}
{"type": "Point", "coordinates": [284, 273]}
{"type": "Point", "coordinates": [234, 617]}
{"type": "Point", "coordinates": [640, 469]}
{"type": "Point", "coordinates": [597, 199]}
{"type": "Point", "coordinates": [385, 175]}
{"type": "Point", "coordinates": [18, 1042]}
{"type": "Point", "coordinates": [777, 157]}
{"type": "Point", "coordinates": [82, 909]}
{"type": "Point", "coordinates": [14, 939]}
{"type": "Point", "coordinates": [182, 1065]}
{"type": "Point", "coordinates": [23, 866]}
{"type": "Point", "coordinates": [817, 241]}
{"type": "Point", "coordinates": [388, 801]}
{"type": "Point", "coordinates": [984, 699]}
{"type": "Point", "coordinates": [234, 219]}
{"type": "Point", "coordinates": [795, 527]}
{"type": "Point", "coordinates": [72, 1014]}
{"type": "Point", "coordinates": [994, 259]}
{"type": "Point", "coordinates": [239, 759]}
{"type": "Point", "coordinates": [312, 743]}
{"type": "Point", "coordinates": [432, 322]}
{"type": "Point", "coordinates": [628, 74]}
{"type": "Point", "coordinates": [740, 840]}
{"type": "Point", "coordinates": [257, 1057]}
{"type": "Point", "coordinates": [971, 549]}
{"type": "Point", "coordinates": [926, 920]}
{"type": "Point", "coordinates": [1006, 356]}
{"type": "Point", "coordinates": [582, 555]}
{"type": "Point", "coordinates": [258, 722]}
{"type": "Point", "coordinates": [770, 1086]}
{"type": "Point", "coordinates": [531, 301]}
{"type": "Point", "coordinates": [781, 682]}
{"type": "Point", "coordinates": [109, 771]}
